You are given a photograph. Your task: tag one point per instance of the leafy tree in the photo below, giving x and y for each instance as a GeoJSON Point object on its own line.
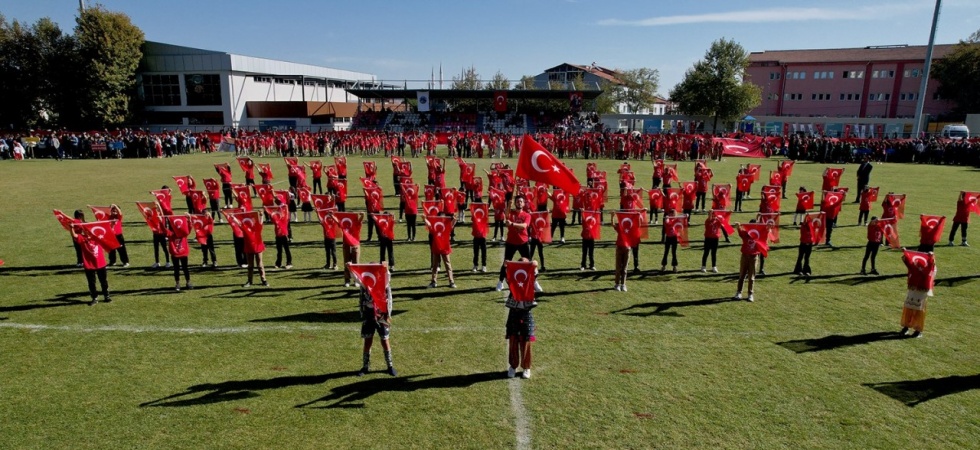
{"type": "Point", "coordinates": [715, 86]}
{"type": "Point", "coordinates": [526, 83]}
{"type": "Point", "coordinates": [109, 52]}
{"type": "Point", "coordinates": [31, 71]}
{"type": "Point", "coordinates": [606, 102]}
{"type": "Point", "coordinates": [498, 83]}
{"type": "Point", "coordinates": [468, 79]}
{"type": "Point", "coordinates": [639, 88]}
{"type": "Point", "coordinates": [958, 73]}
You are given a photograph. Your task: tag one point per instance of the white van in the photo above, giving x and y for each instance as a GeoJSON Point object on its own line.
{"type": "Point", "coordinates": [956, 132]}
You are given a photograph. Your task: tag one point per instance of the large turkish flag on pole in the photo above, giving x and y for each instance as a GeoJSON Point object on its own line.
{"type": "Point", "coordinates": [538, 164]}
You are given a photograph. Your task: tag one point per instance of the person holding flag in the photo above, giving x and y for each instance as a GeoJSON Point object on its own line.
{"type": "Point", "coordinates": [204, 232]}
{"type": "Point", "coordinates": [675, 229]}
{"type": "Point", "coordinates": [224, 173]}
{"type": "Point", "coordinates": [830, 205]}
{"type": "Point", "coordinates": [627, 226]}
{"type": "Point", "coordinates": [279, 216]}
{"type": "Point", "coordinates": [329, 236]}
{"type": "Point", "coordinates": [349, 224]}
{"type": "Point", "coordinates": [178, 228]}
{"type": "Point", "coordinates": [811, 228]}
{"type": "Point", "coordinates": [410, 198]}
{"type": "Point", "coordinates": [754, 237]}
{"type": "Point", "coordinates": [712, 233]}
{"type": "Point", "coordinates": [385, 223]}
{"type": "Point", "coordinates": [251, 226]}
{"type": "Point", "coordinates": [520, 322]}
{"type": "Point", "coordinates": [375, 306]}
{"type": "Point", "coordinates": [559, 212]}
{"type": "Point", "coordinates": [479, 217]}
{"type": "Point", "coordinates": [539, 234]}
{"type": "Point", "coordinates": [154, 219]}
{"type": "Point", "coordinates": [930, 231]}
{"type": "Point", "coordinates": [920, 280]}
{"type": "Point", "coordinates": [876, 236]}
{"type": "Point", "coordinates": [440, 244]}
{"type": "Point", "coordinates": [804, 201]}
{"type": "Point", "coordinates": [967, 203]}
{"type": "Point", "coordinates": [868, 196]}
{"type": "Point", "coordinates": [94, 239]}
{"type": "Point", "coordinates": [116, 216]}
{"type": "Point", "coordinates": [517, 222]}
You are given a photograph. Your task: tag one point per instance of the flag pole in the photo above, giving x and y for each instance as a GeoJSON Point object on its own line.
{"type": "Point", "coordinates": [920, 104]}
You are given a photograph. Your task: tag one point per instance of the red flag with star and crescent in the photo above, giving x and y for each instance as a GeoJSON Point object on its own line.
{"type": "Point", "coordinates": [152, 215]}
{"type": "Point", "coordinates": [479, 216]}
{"type": "Point", "coordinates": [203, 226]}
{"type": "Point", "coordinates": [538, 164]}
{"type": "Point", "coordinates": [179, 225]}
{"type": "Point", "coordinates": [818, 222]}
{"type": "Point", "coordinates": [889, 227]}
{"type": "Point", "coordinates": [771, 219]}
{"type": "Point", "coordinates": [759, 233]}
{"type": "Point", "coordinates": [184, 183]}
{"type": "Point", "coordinates": [349, 224]}
{"type": "Point", "coordinates": [100, 212]}
{"type": "Point", "coordinates": [539, 220]}
{"type": "Point", "coordinates": [725, 217]}
{"type": "Point", "coordinates": [721, 196]}
{"type": "Point", "coordinates": [242, 196]}
{"type": "Point", "coordinates": [500, 101]}
{"type": "Point", "coordinates": [386, 225]}
{"type": "Point", "coordinates": [973, 200]}
{"type": "Point", "coordinates": [630, 223]}
{"type": "Point", "coordinates": [64, 219]}
{"type": "Point", "coordinates": [163, 198]}
{"type": "Point", "coordinates": [198, 200]}
{"type": "Point", "coordinates": [520, 279]}
{"type": "Point", "coordinates": [931, 228]}
{"type": "Point", "coordinates": [266, 194]}
{"type": "Point", "coordinates": [441, 228]}
{"type": "Point", "coordinates": [679, 225]}
{"type": "Point", "coordinates": [374, 278]}
{"type": "Point", "coordinates": [101, 233]}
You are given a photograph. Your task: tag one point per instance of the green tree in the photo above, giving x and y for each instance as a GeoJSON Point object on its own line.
{"type": "Point", "coordinates": [605, 103]}
{"type": "Point", "coordinates": [957, 74]}
{"type": "Point", "coordinates": [526, 83]}
{"type": "Point", "coordinates": [715, 86]}
{"type": "Point", "coordinates": [31, 72]}
{"type": "Point", "coordinates": [498, 83]}
{"type": "Point", "coordinates": [109, 52]}
{"type": "Point", "coordinates": [638, 90]}
{"type": "Point", "coordinates": [468, 80]}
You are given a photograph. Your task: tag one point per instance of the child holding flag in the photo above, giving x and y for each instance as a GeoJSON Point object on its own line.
{"type": "Point", "coordinates": [520, 321]}
{"type": "Point", "coordinates": [375, 308]}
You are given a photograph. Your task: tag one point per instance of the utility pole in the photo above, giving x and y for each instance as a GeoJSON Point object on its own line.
{"type": "Point", "coordinates": [920, 104]}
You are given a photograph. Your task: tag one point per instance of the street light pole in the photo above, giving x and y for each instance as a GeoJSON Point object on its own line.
{"type": "Point", "coordinates": [920, 104]}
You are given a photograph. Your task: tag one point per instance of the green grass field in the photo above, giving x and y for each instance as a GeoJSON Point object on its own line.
{"type": "Point", "coordinates": [673, 363]}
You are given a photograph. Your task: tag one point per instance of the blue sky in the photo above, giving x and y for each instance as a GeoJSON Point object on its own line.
{"type": "Point", "coordinates": [407, 40]}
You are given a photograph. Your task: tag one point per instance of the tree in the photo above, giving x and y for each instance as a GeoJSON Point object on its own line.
{"type": "Point", "coordinates": [715, 86]}
{"type": "Point", "coordinates": [638, 90]}
{"type": "Point", "coordinates": [526, 83]}
{"type": "Point", "coordinates": [957, 74]}
{"type": "Point", "coordinates": [605, 103]}
{"type": "Point", "coordinates": [498, 83]}
{"type": "Point", "coordinates": [109, 52]}
{"type": "Point", "coordinates": [31, 71]}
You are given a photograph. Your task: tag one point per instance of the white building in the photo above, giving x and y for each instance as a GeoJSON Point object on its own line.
{"type": "Point", "coordinates": [189, 87]}
{"type": "Point", "coordinates": [592, 77]}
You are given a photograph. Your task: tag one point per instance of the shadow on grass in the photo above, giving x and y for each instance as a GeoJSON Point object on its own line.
{"type": "Point", "coordinates": [205, 394]}
{"type": "Point", "coordinates": [442, 290]}
{"type": "Point", "coordinates": [956, 281]}
{"type": "Point", "coordinates": [663, 308]}
{"type": "Point", "coordinates": [914, 392]}
{"type": "Point", "coordinates": [322, 317]}
{"type": "Point", "coordinates": [836, 341]}
{"type": "Point", "coordinates": [353, 395]}
{"type": "Point", "coordinates": [862, 279]}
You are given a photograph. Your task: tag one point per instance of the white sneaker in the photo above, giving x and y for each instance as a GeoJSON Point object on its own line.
{"type": "Point", "coordinates": [622, 287]}
{"type": "Point", "coordinates": [346, 284]}
{"type": "Point", "coordinates": [751, 298]}
{"type": "Point", "coordinates": [714, 270]}
{"type": "Point", "coordinates": [617, 287]}
{"type": "Point", "coordinates": [526, 374]}
{"type": "Point", "coordinates": [511, 373]}
{"type": "Point", "coordinates": [244, 266]}
{"type": "Point", "coordinates": [483, 269]}
{"type": "Point", "coordinates": [155, 266]}
{"type": "Point", "coordinates": [562, 240]}
{"type": "Point", "coordinates": [537, 287]}
{"type": "Point", "coordinates": [738, 296]}
{"type": "Point", "coordinates": [703, 269]}
{"type": "Point", "coordinates": [500, 286]}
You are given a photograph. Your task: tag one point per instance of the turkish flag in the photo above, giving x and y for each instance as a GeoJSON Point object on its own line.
{"type": "Point", "coordinates": [775, 178]}
{"type": "Point", "coordinates": [656, 198]}
{"type": "Point", "coordinates": [739, 147]}
{"type": "Point", "coordinates": [786, 168]}
{"type": "Point", "coordinates": [771, 219]}
{"type": "Point", "coordinates": [672, 199]}
{"type": "Point", "coordinates": [755, 170]}
{"type": "Point", "coordinates": [758, 233]}
{"type": "Point", "coordinates": [203, 226]}
{"type": "Point", "coordinates": [805, 200]}
{"type": "Point", "coordinates": [100, 212]}
{"type": "Point", "coordinates": [265, 171]}
{"type": "Point", "coordinates": [242, 196]}
{"type": "Point", "coordinates": [386, 225]}
{"type": "Point", "coordinates": [374, 278]}
{"type": "Point", "coordinates": [440, 228]}
{"type": "Point", "coordinates": [520, 280]}
{"type": "Point", "coordinates": [889, 227]}
{"type": "Point", "coordinates": [921, 275]}
{"type": "Point", "coordinates": [591, 221]}
{"type": "Point", "coordinates": [245, 163]}
{"type": "Point", "coordinates": [870, 195]}
{"type": "Point", "coordinates": [184, 183]}
{"type": "Point", "coordinates": [340, 162]}
{"type": "Point", "coordinates": [500, 101]}
{"type": "Point", "coordinates": [152, 215]}
{"type": "Point", "coordinates": [291, 161]}
{"type": "Point", "coordinates": [101, 233]}
{"type": "Point", "coordinates": [467, 175]}
{"type": "Point", "coordinates": [350, 226]}
{"type": "Point", "coordinates": [266, 194]}
{"type": "Point", "coordinates": [931, 228]}
{"type": "Point", "coordinates": [540, 222]}
{"type": "Point", "coordinates": [819, 223]}
{"type": "Point", "coordinates": [163, 198]}
{"type": "Point", "coordinates": [726, 219]}
{"type": "Point", "coordinates": [374, 199]}
{"type": "Point", "coordinates": [721, 196]}
{"type": "Point", "coordinates": [536, 163]}
{"type": "Point", "coordinates": [898, 201]}
{"type": "Point", "coordinates": [321, 201]}
{"type": "Point", "coordinates": [479, 216]}
{"type": "Point", "coordinates": [279, 215]}
{"type": "Point", "coordinates": [771, 199]}
{"type": "Point", "coordinates": [64, 219]}
{"type": "Point", "coordinates": [831, 203]}
{"type": "Point", "coordinates": [744, 182]}
{"type": "Point", "coordinates": [629, 223]}
{"type": "Point", "coordinates": [213, 188]}
{"type": "Point", "coordinates": [179, 225]}
{"type": "Point", "coordinates": [198, 200]}
{"type": "Point", "coordinates": [670, 173]}
{"type": "Point", "coordinates": [679, 225]}
{"type": "Point", "coordinates": [406, 168]}
{"type": "Point", "coordinates": [498, 198]}
{"type": "Point", "coordinates": [690, 194]}
{"type": "Point", "coordinates": [831, 178]}
{"type": "Point", "coordinates": [432, 207]}
{"type": "Point", "coordinates": [430, 192]}
{"type": "Point", "coordinates": [224, 171]}
{"type": "Point", "coordinates": [282, 196]}
{"type": "Point", "coordinates": [370, 169]}
{"type": "Point", "coordinates": [973, 200]}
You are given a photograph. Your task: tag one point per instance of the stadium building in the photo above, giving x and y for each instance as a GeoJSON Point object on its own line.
{"type": "Point", "coordinates": [193, 88]}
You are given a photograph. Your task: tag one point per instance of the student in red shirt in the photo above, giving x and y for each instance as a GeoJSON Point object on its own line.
{"type": "Point", "coordinates": [117, 228]}
{"type": "Point", "coordinates": [253, 248]}
{"type": "Point", "coordinates": [746, 270]}
{"type": "Point", "coordinates": [93, 261]}
{"type": "Point", "coordinates": [921, 278]}
{"type": "Point", "coordinates": [280, 221]}
{"type": "Point", "coordinates": [875, 237]}
{"type": "Point", "coordinates": [329, 240]}
{"type": "Point", "coordinates": [808, 239]}
{"type": "Point", "coordinates": [962, 218]}
{"type": "Point", "coordinates": [179, 251]}
{"type": "Point", "coordinates": [517, 222]}
{"type": "Point", "coordinates": [712, 233]}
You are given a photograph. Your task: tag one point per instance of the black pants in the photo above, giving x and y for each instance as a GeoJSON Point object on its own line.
{"type": "Point", "coordinates": [862, 217]}
{"type": "Point", "coordinates": [160, 242]}
{"type": "Point", "coordinates": [654, 214]}
{"type": "Point", "coordinates": [498, 226]}
{"type": "Point", "coordinates": [410, 220]}
{"type": "Point", "coordinates": [831, 224]}
{"type": "Point", "coordinates": [738, 200]}
{"type": "Point", "coordinates": [588, 250]}
{"type": "Point", "coordinates": [123, 254]}
{"type": "Point", "coordinates": [560, 225]}
{"type": "Point", "coordinates": [536, 244]}
{"type": "Point", "coordinates": [317, 186]}
{"type": "Point", "coordinates": [208, 250]}
{"type": "Point", "coordinates": [239, 243]}
{"type": "Point", "coordinates": [509, 251]}
{"type": "Point", "coordinates": [387, 246]}
{"type": "Point", "coordinates": [341, 206]}
{"type": "Point", "coordinates": [803, 259]}
{"type": "Point", "coordinates": [180, 264]}
{"type": "Point", "coordinates": [371, 226]}
{"type": "Point", "coordinates": [870, 252]}
{"type": "Point", "coordinates": [636, 257]}
{"type": "Point", "coordinates": [226, 192]}
{"type": "Point", "coordinates": [78, 252]}
{"type": "Point", "coordinates": [330, 248]}
{"type": "Point", "coordinates": [479, 252]}
{"type": "Point", "coordinates": [710, 248]}
{"type": "Point", "coordinates": [700, 198]}
{"type": "Point", "coordinates": [952, 233]}
{"type": "Point", "coordinates": [282, 244]}
{"type": "Point", "coordinates": [576, 214]}
{"type": "Point", "coordinates": [670, 246]}
{"type": "Point", "coordinates": [90, 275]}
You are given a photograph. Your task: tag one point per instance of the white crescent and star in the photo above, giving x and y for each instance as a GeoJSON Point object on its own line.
{"type": "Point", "coordinates": [346, 222]}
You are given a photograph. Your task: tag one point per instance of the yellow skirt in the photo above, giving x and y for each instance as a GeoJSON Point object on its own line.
{"type": "Point", "coordinates": [914, 310]}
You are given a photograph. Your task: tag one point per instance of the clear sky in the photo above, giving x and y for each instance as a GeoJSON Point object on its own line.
{"type": "Point", "coordinates": [408, 40]}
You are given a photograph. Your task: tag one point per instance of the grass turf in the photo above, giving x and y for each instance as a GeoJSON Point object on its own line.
{"type": "Point", "coordinates": [671, 363]}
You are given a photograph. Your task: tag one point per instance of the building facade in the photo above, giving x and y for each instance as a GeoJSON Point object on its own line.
{"type": "Point", "coordinates": [592, 77]}
{"type": "Point", "coordinates": [189, 87]}
{"type": "Point", "coordinates": [870, 82]}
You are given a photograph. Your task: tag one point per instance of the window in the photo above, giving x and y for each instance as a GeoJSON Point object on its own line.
{"type": "Point", "coordinates": [860, 74]}
{"type": "Point", "coordinates": [161, 90]}
{"type": "Point", "coordinates": [845, 74]}
{"type": "Point", "coordinates": [915, 73]}
{"type": "Point", "coordinates": [774, 75]}
{"type": "Point", "coordinates": [891, 74]}
{"type": "Point", "coordinates": [202, 89]}
{"type": "Point", "coordinates": [857, 96]}
{"type": "Point", "coordinates": [901, 96]}
{"type": "Point", "coordinates": [262, 79]}
{"type": "Point", "coordinates": [908, 73]}
{"type": "Point", "coordinates": [842, 96]}
{"type": "Point", "coordinates": [830, 74]}
{"type": "Point", "coordinates": [887, 96]}
{"type": "Point", "coordinates": [813, 96]}
{"type": "Point", "coordinates": [874, 74]}
{"type": "Point", "coordinates": [802, 75]}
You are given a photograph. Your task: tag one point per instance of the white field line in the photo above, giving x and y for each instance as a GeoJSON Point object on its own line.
{"type": "Point", "coordinates": [522, 424]}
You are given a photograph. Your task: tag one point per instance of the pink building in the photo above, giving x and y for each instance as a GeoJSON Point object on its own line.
{"type": "Point", "coordinates": [870, 82]}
